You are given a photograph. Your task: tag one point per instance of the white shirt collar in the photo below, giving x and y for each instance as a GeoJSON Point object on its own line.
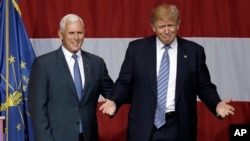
{"type": "Point", "coordinates": [69, 54]}
{"type": "Point", "coordinates": [160, 44]}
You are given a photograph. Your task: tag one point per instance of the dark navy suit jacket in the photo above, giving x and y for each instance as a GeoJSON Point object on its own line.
{"type": "Point", "coordinates": [137, 83]}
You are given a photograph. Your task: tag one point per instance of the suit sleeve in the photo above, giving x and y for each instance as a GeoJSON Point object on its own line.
{"type": "Point", "coordinates": [207, 90]}
{"type": "Point", "coordinates": [37, 102]}
{"type": "Point", "coordinates": [107, 82]}
{"type": "Point", "coordinates": [123, 86]}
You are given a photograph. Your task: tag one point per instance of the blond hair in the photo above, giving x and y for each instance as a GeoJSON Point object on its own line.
{"type": "Point", "coordinates": [164, 11]}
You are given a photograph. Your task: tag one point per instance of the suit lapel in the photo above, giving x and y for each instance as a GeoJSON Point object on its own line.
{"type": "Point", "coordinates": [182, 61]}
{"type": "Point", "coordinates": [151, 59]}
{"type": "Point", "coordinates": [63, 68]}
{"type": "Point", "coordinates": [87, 72]}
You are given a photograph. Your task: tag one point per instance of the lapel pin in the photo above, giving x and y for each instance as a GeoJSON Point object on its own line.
{"type": "Point", "coordinates": [185, 56]}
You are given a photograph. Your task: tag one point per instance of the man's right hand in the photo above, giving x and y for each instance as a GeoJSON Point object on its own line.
{"type": "Point", "coordinates": [108, 107]}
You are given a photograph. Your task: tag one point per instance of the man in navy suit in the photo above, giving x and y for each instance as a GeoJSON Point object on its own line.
{"type": "Point", "coordinates": [57, 112]}
{"type": "Point", "coordinates": [188, 78]}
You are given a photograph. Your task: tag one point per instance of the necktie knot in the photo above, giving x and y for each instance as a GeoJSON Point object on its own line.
{"type": "Point", "coordinates": [75, 56]}
{"type": "Point", "coordinates": [166, 47]}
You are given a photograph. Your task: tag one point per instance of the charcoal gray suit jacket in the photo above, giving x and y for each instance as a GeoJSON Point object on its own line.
{"type": "Point", "coordinates": [53, 103]}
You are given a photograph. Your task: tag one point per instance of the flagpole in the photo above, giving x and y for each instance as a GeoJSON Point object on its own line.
{"type": "Point", "coordinates": [7, 66]}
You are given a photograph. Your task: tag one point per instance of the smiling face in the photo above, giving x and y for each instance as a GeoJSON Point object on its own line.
{"type": "Point", "coordinates": [72, 35]}
{"type": "Point", "coordinates": [165, 23]}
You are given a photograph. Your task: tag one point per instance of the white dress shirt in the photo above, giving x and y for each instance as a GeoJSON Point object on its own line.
{"type": "Point", "coordinates": [70, 61]}
{"type": "Point", "coordinates": [172, 51]}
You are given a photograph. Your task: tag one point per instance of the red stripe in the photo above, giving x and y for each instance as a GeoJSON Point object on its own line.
{"type": "Point", "coordinates": [130, 18]}
{"type": "Point", "coordinates": [212, 129]}
{"type": "Point", "coordinates": [209, 127]}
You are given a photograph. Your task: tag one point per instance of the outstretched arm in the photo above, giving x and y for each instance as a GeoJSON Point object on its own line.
{"type": "Point", "coordinates": [223, 108]}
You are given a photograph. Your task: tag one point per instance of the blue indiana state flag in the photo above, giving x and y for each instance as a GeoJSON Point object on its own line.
{"type": "Point", "coordinates": [16, 57]}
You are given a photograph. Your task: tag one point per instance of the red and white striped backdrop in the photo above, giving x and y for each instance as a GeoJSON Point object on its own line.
{"type": "Point", "coordinates": [221, 26]}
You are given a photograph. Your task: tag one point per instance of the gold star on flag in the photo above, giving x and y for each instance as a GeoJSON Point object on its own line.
{"type": "Point", "coordinates": [23, 65]}
{"type": "Point", "coordinates": [24, 88]}
{"type": "Point", "coordinates": [18, 126]}
{"type": "Point", "coordinates": [12, 59]}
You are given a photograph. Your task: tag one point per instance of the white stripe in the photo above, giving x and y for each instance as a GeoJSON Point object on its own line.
{"type": "Point", "coordinates": [227, 60]}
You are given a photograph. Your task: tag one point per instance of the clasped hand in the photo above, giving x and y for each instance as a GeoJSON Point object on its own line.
{"type": "Point", "coordinates": [108, 107]}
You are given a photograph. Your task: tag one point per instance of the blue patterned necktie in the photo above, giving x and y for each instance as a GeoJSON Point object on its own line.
{"type": "Point", "coordinates": [162, 87]}
{"type": "Point", "coordinates": [78, 83]}
{"type": "Point", "coordinates": [77, 77]}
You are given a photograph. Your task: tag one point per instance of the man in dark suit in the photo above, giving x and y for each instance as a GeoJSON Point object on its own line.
{"type": "Point", "coordinates": [187, 77]}
{"type": "Point", "coordinates": [58, 111]}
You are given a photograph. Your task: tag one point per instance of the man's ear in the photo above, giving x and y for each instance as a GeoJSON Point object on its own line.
{"type": "Point", "coordinates": [60, 34]}
{"type": "Point", "coordinates": [152, 26]}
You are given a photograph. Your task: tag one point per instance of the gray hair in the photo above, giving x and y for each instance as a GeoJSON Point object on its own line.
{"type": "Point", "coordinates": [69, 18]}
